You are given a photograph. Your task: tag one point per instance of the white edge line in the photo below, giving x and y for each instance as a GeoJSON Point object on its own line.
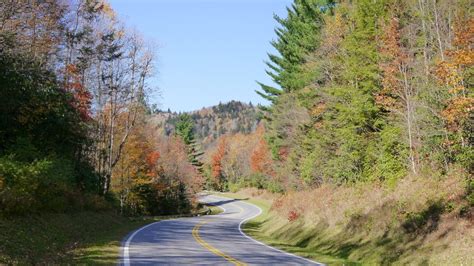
{"type": "Point", "coordinates": [256, 241]}
{"type": "Point", "coordinates": [126, 255]}
{"type": "Point", "coordinates": [126, 251]}
{"type": "Point", "coordinates": [126, 247]}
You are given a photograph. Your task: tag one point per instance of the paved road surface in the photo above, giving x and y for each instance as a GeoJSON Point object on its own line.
{"type": "Point", "coordinates": [215, 239]}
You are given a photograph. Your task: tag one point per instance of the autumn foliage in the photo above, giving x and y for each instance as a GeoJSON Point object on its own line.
{"type": "Point", "coordinates": [82, 98]}
{"type": "Point", "coordinates": [454, 72]}
{"type": "Point", "coordinates": [261, 160]}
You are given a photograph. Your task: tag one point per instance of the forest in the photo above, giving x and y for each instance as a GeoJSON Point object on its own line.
{"type": "Point", "coordinates": [367, 92]}
{"type": "Point", "coordinates": [370, 124]}
{"type": "Point", "coordinates": [75, 87]}
{"type": "Point", "coordinates": [366, 147]}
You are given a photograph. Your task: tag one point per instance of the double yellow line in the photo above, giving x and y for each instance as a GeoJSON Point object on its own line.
{"type": "Point", "coordinates": [211, 248]}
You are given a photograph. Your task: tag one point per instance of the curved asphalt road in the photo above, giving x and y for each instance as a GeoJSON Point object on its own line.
{"type": "Point", "coordinates": [215, 239]}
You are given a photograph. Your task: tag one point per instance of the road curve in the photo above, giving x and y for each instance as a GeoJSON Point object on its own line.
{"type": "Point", "coordinates": [215, 239]}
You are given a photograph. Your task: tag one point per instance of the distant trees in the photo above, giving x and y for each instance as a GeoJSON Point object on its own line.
{"type": "Point", "coordinates": [240, 160]}
{"type": "Point", "coordinates": [209, 123]}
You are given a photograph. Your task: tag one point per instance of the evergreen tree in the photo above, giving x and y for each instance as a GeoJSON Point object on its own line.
{"type": "Point", "coordinates": [184, 129]}
{"type": "Point", "coordinates": [298, 35]}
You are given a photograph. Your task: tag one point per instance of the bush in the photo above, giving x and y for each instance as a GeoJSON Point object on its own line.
{"type": "Point", "coordinates": [46, 184]}
{"type": "Point", "coordinates": [158, 199]}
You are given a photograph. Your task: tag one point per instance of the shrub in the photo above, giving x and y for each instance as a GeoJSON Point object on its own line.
{"type": "Point", "coordinates": [46, 184]}
{"type": "Point", "coordinates": [158, 199]}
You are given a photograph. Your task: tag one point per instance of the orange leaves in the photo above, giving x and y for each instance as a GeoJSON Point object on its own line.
{"type": "Point", "coordinates": [261, 160]}
{"type": "Point", "coordinates": [394, 64]}
{"type": "Point", "coordinates": [390, 47]}
{"type": "Point", "coordinates": [216, 159]}
{"type": "Point", "coordinates": [152, 161]}
{"type": "Point", "coordinates": [318, 109]}
{"type": "Point", "coordinates": [464, 34]}
{"type": "Point", "coordinates": [152, 157]}
{"type": "Point", "coordinates": [451, 73]}
{"type": "Point", "coordinates": [457, 111]}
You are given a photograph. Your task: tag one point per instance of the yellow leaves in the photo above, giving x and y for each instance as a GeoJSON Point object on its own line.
{"type": "Point", "coordinates": [334, 31]}
{"type": "Point", "coordinates": [458, 111]}
{"type": "Point", "coordinates": [450, 73]}
{"type": "Point", "coordinates": [318, 109]}
{"type": "Point", "coordinates": [462, 57]}
{"type": "Point", "coordinates": [120, 33]}
{"type": "Point", "coordinates": [464, 33]}
{"type": "Point", "coordinates": [104, 7]}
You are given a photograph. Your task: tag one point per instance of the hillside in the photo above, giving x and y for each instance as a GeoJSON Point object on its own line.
{"type": "Point", "coordinates": [212, 122]}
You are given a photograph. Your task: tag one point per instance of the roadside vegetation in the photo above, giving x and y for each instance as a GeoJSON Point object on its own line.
{"type": "Point", "coordinates": [77, 154]}
{"type": "Point", "coordinates": [365, 153]}
{"type": "Point", "coordinates": [414, 223]}
{"type": "Point", "coordinates": [78, 238]}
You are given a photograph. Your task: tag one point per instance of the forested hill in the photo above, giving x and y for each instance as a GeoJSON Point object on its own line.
{"type": "Point", "coordinates": [212, 122]}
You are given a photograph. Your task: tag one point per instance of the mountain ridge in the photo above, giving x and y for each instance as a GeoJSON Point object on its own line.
{"type": "Point", "coordinates": [212, 122]}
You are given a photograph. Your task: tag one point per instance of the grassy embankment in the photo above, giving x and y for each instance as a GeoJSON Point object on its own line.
{"type": "Point", "coordinates": [73, 238]}
{"type": "Point", "coordinates": [84, 237]}
{"type": "Point", "coordinates": [256, 229]}
{"type": "Point", "coordinates": [420, 221]}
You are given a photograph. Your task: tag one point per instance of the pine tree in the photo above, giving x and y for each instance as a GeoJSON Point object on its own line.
{"type": "Point", "coordinates": [298, 35]}
{"type": "Point", "coordinates": [184, 129]}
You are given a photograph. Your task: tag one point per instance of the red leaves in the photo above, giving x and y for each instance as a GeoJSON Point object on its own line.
{"type": "Point", "coordinates": [152, 160]}
{"type": "Point", "coordinates": [82, 98]}
{"type": "Point", "coordinates": [152, 157]}
{"type": "Point", "coordinates": [293, 216]}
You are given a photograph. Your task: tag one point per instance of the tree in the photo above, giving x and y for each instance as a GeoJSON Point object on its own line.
{"type": "Point", "coordinates": [261, 161]}
{"type": "Point", "coordinates": [455, 73]}
{"type": "Point", "coordinates": [185, 130]}
{"type": "Point", "coordinates": [217, 175]}
{"type": "Point", "coordinates": [398, 93]}
{"type": "Point", "coordinates": [297, 36]}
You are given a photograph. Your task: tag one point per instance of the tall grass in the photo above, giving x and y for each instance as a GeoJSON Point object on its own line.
{"type": "Point", "coordinates": [419, 220]}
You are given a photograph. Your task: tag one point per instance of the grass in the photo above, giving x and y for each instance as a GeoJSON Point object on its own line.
{"type": "Point", "coordinates": [420, 221]}
{"type": "Point", "coordinates": [297, 245]}
{"type": "Point", "coordinates": [91, 238]}
{"type": "Point", "coordinates": [84, 238]}
{"type": "Point", "coordinates": [214, 209]}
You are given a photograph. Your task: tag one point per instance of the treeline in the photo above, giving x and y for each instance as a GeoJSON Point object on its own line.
{"type": "Point", "coordinates": [367, 91]}
{"type": "Point", "coordinates": [212, 122]}
{"type": "Point", "coordinates": [73, 115]}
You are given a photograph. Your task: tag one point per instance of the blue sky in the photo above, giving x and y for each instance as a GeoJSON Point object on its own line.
{"type": "Point", "coordinates": [208, 51]}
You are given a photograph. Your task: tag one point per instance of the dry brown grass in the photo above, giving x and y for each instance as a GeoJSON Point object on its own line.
{"type": "Point", "coordinates": [417, 221]}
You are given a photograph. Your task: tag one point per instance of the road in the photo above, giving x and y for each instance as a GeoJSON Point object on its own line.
{"type": "Point", "coordinates": [214, 239]}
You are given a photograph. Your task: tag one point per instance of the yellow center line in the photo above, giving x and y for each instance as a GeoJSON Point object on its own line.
{"type": "Point", "coordinates": [241, 209]}
{"type": "Point", "coordinates": [211, 248]}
